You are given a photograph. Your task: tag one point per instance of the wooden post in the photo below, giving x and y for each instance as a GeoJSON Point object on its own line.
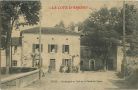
{"type": "Point", "coordinates": [124, 46]}
{"type": "Point", "coordinates": [40, 58]}
{"type": "Point", "coordinates": [11, 52]}
{"type": "Point", "coordinates": [0, 44]}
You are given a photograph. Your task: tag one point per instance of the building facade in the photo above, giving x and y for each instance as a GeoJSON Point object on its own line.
{"type": "Point", "coordinates": [88, 62]}
{"type": "Point", "coordinates": [114, 61]}
{"type": "Point", "coordinates": [16, 48]}
{"type": "Point", "coordinates": [15, 55]}
{"type": "Point", "coordinates": [59, 48]}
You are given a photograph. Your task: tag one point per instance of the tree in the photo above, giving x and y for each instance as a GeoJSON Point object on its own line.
{"type": "Point", "coordinates": [60, 25]}
{"type": "Point", "coordinates": [133, 39]}
{"type": "Point", "coordinates": [13, 11]}
{"type": "Point", "coordinates": [104, 28]}
{"type": "Point", "coordinates": [80, 26]}
{"type": "Point", "coordinates": [71, 26]}
{"type": "Point", "coordinates": [102, 24]}
{"type": "Point", "coordinates": [130, 20]}
{"type": "Point", "coordinates": [99, 29]}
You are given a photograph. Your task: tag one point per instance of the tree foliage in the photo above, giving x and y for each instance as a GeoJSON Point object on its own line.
{"type": "Point", "coordinates": [60, 24]}
{"type": "Point", "coordinates": [103, 28]}
{"type": "Point", "coordinates": [71, 26]}
{"type": "Point", "coordinates": [106, 25]}
{"type": "Point", "coordinates": [12, 13]}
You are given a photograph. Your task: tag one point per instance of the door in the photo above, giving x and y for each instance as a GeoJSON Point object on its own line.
{"type": "Point", "coordinates": [52, 65]}
{"type": "Point", "coordinates": [91, 64]}
{"type": "Point", "coordinates": [110, 64]}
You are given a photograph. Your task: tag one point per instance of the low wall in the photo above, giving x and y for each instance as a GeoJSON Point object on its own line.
{"type": "Point", "coordinates": [20, 80]}
{"type": "Point", "coordinates": [17, 70]}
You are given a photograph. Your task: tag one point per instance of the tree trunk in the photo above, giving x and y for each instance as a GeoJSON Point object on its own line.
{"type": "Point", "coordinates": [7, 58]}
{"type": "Point", "coordinates": [7, 50]}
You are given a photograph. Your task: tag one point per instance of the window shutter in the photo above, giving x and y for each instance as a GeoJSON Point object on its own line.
{"type": "Point", "coordinates": [63, 48]}
{"type": "Point", "coordinates": [49, 48]}
{"type": "Point", "coordinates": [69, 49]}
{"type": "Point", "coordinates": [69, 62]}
{"type": "Point", "coordinates": [55, 48]}
{"type": "Point", "coordinates": [33, 48]}
{"type": "Point", "coordinates": [63, 62]}
{"type": "Point", "coordinates": [41, 47]}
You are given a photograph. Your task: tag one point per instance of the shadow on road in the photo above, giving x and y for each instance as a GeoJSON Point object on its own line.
{"type": "Point", "coordinates": [122, 84]}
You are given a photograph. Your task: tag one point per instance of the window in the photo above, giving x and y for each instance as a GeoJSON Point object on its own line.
{"type": "Point", "coordinates": [14, 63]}
{"type": "Point", "coordinates": [36, 47]}
{"type": "Point", "coordinates": [52, 48]}
{"type": "Point", "coordinates": [14, 48]}
{"type": "Point", "coordinates": [66, 62]}
{"type": "Point", "coordinates": [65, 49]}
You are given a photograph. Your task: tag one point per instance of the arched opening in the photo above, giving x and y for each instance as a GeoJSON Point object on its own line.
{"type": "Point", "coordinates": [91, 64]}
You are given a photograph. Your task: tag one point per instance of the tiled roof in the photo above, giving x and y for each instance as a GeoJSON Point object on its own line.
{"type": "Point", "coordinates": [50, 30]}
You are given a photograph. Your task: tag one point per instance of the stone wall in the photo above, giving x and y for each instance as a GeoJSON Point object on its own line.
{"type": "Point", "coordinates": [20, 80]}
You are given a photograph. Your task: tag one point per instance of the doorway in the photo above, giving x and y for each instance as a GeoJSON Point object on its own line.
{"type": "Point", "coordinates": [91, 64]}
{"type": "Point", "coordinates": [52, 65]}
{"type": "Point", "coordinates": [110, 64]}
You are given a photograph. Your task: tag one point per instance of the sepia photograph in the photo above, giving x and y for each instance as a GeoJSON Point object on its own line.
{"type": "Point", "coordinates": [68, 45]}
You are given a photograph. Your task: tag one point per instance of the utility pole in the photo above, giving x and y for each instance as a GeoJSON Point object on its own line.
{"type": "Point", "coordinates": [124, 46]}
{"type": "Point", "coordinates": [0, 43]}
{"type": "Point", "coordinates": [11, 51]}
{"type": "Point", "coordinates": [40, 45]}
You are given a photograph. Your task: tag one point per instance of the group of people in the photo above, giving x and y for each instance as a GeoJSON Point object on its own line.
{"type": "Point", "coordinates": [68, 69]}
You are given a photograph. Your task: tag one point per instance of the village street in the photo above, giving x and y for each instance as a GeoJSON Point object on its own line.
{"type": "Point", "coordinates": [78, 81]}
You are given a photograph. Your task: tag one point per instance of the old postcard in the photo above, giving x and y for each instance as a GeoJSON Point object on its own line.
{"type": "Point", "coordinates": [68, 45]}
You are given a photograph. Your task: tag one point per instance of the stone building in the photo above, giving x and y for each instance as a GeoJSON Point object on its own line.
{"type": "Point", "coordinates": [15, 57]}
{"type": "Point", "coordinates": [59, 47]}
{"type": "Point", "coordinates": [114, 61]}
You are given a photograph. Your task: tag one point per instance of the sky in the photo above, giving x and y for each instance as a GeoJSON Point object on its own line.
{"type": "Point", "coordinates": [51, 16]}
